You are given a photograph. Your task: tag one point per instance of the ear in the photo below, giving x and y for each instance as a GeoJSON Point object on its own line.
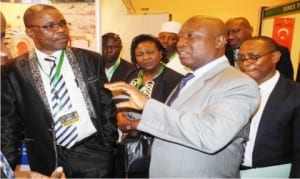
{"type": "Point", "coordinates": [276, 56]}
{"type": "Point", "coordinates": [221, 41]}
{"type": "Point", "coordinates": [29, 32]}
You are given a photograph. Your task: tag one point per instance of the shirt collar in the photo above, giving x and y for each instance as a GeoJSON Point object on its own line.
{"type": "Point", "coordinates": [200, 71]}
{"type": "Point", "coordinates": [41, 55]}
{"type": "Point", "coordinates": [269, 85]}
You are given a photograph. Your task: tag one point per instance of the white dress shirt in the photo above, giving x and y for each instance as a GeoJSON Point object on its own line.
{"type": "Point", "coordinates": [84, 126]}
{"type": "Point", "coordinates": [265, 90]}
{"type": "Point", "coordinates": [200, 71]}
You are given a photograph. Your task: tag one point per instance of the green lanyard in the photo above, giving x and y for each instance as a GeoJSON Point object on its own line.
{"type": "Point", "coordinates": [57, 73]}
{"type": "Point", "coordinates": [58, 69]}
{"type": "Point", "coordinates": [139, 81]}
{"type": "Point", "coordinates": [113, 69]}
{"type": "Point", "coordinates": [172, 56]}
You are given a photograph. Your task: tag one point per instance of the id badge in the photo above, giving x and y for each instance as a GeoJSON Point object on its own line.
{"type": "Point", "coordinates": [69, 119]}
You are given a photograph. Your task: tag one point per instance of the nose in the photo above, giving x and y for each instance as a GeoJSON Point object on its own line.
{"type": "Point", "coordinates": [230, 35]}
{"type": "Point", "coordinates": [180, 43]}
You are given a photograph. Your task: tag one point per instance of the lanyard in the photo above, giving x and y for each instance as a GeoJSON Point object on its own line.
{"type": "Point", "coordinates": [56, 75]}
{"type": "Point", "coordinates": [172, 56]}
{"type": "Point", "coordinates": [113, 69]}
{"type": "Point", "coordinates": [58, 68]}
{"type": "Point", "coordinates": [140, 77]}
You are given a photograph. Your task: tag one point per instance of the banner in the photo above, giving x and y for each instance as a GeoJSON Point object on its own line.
{"type": "Point", "coordinates": [283, 31]}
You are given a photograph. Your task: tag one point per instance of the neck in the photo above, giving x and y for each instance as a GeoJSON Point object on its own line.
{"type": "Point", "coordinates": [266, 77]}
{"type": "Point", "coordinates": [109, 64]}
{"type": "Point", "coordinates": [150, 74]}
{"type": "Point", "coordinates": [170, 53]}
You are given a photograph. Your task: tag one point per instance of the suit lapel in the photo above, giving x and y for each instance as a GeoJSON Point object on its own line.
{"type": "Point", "coordinates": [273, 105]}
{"type": "Point", "coordinates": [79, 75]}
{"type": "Point", "coordinates": [33, 76]}
{"type": "Point", "coordinates": [199, 84]}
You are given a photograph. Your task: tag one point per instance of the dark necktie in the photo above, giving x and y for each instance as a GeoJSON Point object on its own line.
{"type": "Point", "coordinates": [181, 84]}
{"type": "Point", "coordinates": [66, 136]}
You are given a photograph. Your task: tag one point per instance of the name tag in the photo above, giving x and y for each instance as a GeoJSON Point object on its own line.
{"type": "Point", "coordinates": [69, 119]}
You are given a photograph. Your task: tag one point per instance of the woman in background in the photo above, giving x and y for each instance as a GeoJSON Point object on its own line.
{"type": "Point", "coordinates": [154, 80]}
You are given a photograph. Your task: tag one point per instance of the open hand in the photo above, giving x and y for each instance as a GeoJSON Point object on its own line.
{"type": "Point", "coordinates": [136, 99]}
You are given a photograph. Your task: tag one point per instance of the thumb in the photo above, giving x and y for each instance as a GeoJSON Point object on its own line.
{"type": "Point", "coordinates": [58, 173]}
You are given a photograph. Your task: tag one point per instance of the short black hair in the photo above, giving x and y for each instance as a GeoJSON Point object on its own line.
{"type": "Point", "coordinates": [111, 35]}
{"type": "Point", "coordinates": [147, 38]}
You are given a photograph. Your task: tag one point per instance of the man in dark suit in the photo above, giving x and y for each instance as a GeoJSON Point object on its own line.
{"type": "Point", "coordinates": [116, 68]}
{"type": "Point", "coordinates": [240, 30]}
{"type": "Point", "coordinates": [50, 90]}
{"type": "Point", "coordinates": [275, 127]}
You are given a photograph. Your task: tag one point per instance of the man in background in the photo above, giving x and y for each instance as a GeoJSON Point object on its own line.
{"type": "Point", "coordinates": [239, 30]}
{"type": "Point", "coordinates": [116, 68]}
{"type": "Point", "coordinates": [273, 145]}
{"type": "Point", "coordinates": [168, 37]}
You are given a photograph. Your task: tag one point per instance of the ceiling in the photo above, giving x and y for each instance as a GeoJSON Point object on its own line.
{"type": "Point", "coordinates": [167, 6]}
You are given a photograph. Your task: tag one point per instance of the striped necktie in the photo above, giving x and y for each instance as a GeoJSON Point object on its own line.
{"type": "Point", "coordinates": [66, 135]}
{"type": "Point", "coordinates": [5, 167]}
{"type": "Point", "coordinates": [181, 84]}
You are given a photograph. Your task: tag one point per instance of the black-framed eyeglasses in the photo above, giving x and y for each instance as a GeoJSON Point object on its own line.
{"type": "Point", "coordinates": [52, 26]}
{"type": "Point", "coordinates": [252, 58]}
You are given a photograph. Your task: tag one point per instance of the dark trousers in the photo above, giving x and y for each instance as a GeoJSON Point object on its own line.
{"type": "Point", "coordinates": [88, 159]}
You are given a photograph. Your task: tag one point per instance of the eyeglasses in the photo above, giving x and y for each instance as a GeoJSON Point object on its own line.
{"type": "Point", "coordinates": [53, 26]}
{"type": "Point", "coordinates": [251, 59]}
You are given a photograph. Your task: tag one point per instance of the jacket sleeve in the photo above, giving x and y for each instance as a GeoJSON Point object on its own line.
{"type": "Point", "coordinates": [10, 120]}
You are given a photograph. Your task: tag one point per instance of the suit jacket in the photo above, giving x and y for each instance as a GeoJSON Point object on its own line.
{"type": "Point", "coordinates": [123, 69]}
{"type": "Point", "coordinates": [284, 65]}
{"type": "Point", "coordinates": [202, 133]}
{"type": "Point", "coordinates": [24, 104]}
{"type": "Point", "coordinates": [278, 136]}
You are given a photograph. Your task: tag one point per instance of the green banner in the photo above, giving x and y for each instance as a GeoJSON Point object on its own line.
{"type": "Point", "coordinates": [287, 8]}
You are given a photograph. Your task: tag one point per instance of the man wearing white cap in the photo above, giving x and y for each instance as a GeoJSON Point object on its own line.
{"type": "Point", "coordinates": [168, 38]}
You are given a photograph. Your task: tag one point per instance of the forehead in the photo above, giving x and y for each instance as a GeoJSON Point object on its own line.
{"type": "Point", "coordinates": [197, 27]}
{"type": "Point", "coordinates": [47, 15]}
{"type": "Point", "coordinates": [234, 24]}
{"type": "Point", "coordinates": [111, 40]}
{"type": "Point", "coordinates": [145, 44]}
{"type": "Point", "coordinates": [253, 46]}
{"type": "Point", "coordinates": [167, 34]}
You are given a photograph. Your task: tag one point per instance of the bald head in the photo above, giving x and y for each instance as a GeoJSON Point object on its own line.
{"type": "Point", "coordinates": [201, 40]}
{"type": "Point", "coordinates": [240, 20]}
{"type": "Point", "coordinates": [33, 12]}
{"type": "Point", "coordinates": [238, 30]}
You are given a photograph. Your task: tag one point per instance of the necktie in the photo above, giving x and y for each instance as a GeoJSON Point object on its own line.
{"type": "Point", "coordinates": [235, 58]}
{"type": "Point", "coordinates": [181, 84]}
{"type": "Point", "coordinates": [5, 167]}
{"type": "Point", "coordinates": [66, 136]}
